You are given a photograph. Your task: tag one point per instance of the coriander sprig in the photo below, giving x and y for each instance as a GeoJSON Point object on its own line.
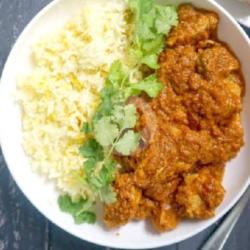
{"type": "Point", "coordinates": [112, 125]}
{"type": "Point", "coordinates": [152, 22]}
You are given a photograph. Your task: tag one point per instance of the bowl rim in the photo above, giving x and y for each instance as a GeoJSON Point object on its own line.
{"type": "Point", "coordinates": [96, 241]}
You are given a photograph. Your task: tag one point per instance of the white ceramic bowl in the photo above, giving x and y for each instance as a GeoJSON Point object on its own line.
{"type": "Point", "coordinates": [42, 195]}
{"type": "Point", "coordinates": [240, 9]}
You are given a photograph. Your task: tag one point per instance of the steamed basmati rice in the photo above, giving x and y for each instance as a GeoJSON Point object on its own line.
{"type": "Point", "coordinates": [61, 93]}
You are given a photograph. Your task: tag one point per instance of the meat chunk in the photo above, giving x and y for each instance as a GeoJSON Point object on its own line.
{"type": "Point", "coordinates": [194, 25]}
{"type": "Point", "coordinates": [228, 143]}
{"type": "Point", "coordinates": [162, 192]}
{"type": "Point", "coordinates": [145, 209]}
{"type": "Point", "coordinates": [209, 91]}
{"type": "Point", "coordinates": [161, 161]}
{"type": "Point", "coordinates": [164, 218]}
{"type": "Point", "coordinates": [217, 61]}
{"type": "Point", "coordinates": [177, 67]}
{"type": "Point", "coordinates": [201, 193]}
{"type": "Point", "coordinates": [215, 102]}
{"type": "Point", "coordinates": [126, 206]}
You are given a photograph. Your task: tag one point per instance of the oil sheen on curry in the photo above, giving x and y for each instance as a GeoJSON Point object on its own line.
{"type": "Point", "coordinates": [190, 131]}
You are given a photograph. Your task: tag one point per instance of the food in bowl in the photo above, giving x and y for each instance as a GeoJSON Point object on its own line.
{"type": "Point", "coordinates": [138, 106]}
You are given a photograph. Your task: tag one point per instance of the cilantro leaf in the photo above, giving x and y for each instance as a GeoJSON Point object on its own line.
{"type": "Point", "coordinates": [111, 93]}
{"type": "Point", "coordinates": [66, 204]}
{"type": "Point", "coordinates": [118, 114]}
{"type": "Point", "coordinates": [92, 149]}
{"type": "Point", "coordinates": [148, 16]}
{"type": "Point", "coordinates": [166, 18]}
{"type": "Point", "coordinates": [107, 172]}
{"type": "Point", "coordinates": [104, 177]}
{"type": "Point", "coordinates": [86, 128]}
{"type": "Point", "coordinates": [89, 166]}
{"type": "Point", "coordinates": [151, 61]}
{"type": "Point", "coordinates": [145, 32]}
{"type": "Point", "coordinates": [154, 46]}
{"type": "Point", "coordinates": [106, 105]}
{"type": "Point", "coordinates": [107, 195]}
{"type": "Point", "coordinates": [85, 217]}
{"type": "Point", "coordinates": [125, 116]}
{"type": "Point", "coordinates": [152, 23]}
{"type": "Point", "coordinates": [105, 131]}
{"type": "Point", "coordinates": [128, 143]}
{"type": "Point", "coordinates": [116, 75]}
{"type": "Point", "coordinates": [78, 209]}
{"type": "Point", "coordinates": [130, 116]}
{"type": "Point", "coordinates": [140, 6]}
{"type": "Point", "coordinates": [149, 85]}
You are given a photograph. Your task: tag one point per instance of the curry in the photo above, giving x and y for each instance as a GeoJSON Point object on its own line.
{"type": "Point", "coordinates": [189, 131]}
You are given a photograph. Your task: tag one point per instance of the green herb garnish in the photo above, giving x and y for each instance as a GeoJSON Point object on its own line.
{"type": "Point", "coordinates": [152, 23]}
{"type": "Point", "coordinates": [78, 209]}
{"type": "Point", "coordinates": [150, 85]}
{"type": "Point", "coordinates": [112, 127]}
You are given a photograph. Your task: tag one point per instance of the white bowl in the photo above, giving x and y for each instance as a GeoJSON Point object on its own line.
{"type": "Point", "coordinates": [135, 235]}
{"type": "Point", "coordinates": [239, 9]}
